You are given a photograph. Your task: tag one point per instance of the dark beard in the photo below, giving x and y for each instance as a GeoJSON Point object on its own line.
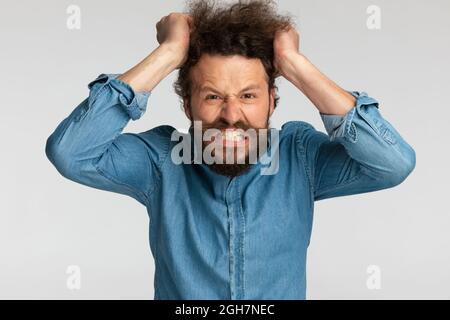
{"type": "Point", "coordinates": [230, 170]}
{"type": "Point", "coordinates": [233, 169]}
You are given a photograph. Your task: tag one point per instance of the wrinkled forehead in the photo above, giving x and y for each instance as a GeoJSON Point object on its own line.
{"type": "Point", "coordinates": [227, 72]}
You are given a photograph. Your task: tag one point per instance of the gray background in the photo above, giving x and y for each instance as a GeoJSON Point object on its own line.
{"type": "Point", "coordinates": [48, 223]}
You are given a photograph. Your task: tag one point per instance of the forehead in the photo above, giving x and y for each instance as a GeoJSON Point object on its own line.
{"type": "Point", "coordinates": [235, 71]}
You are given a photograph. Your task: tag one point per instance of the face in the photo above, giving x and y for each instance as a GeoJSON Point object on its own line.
{"type": "Point", "coordinates": [230, 94]}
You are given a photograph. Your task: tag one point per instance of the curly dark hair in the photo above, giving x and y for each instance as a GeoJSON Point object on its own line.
{"type": "Point", "coordinates": [246, 27]}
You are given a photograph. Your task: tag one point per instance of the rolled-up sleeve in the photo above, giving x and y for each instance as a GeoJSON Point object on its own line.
{"type": "Point", "coordinates": [89, 147]}
{"type": "Point", "coordinates": [134, 103]}
{"type": "Point", "coordinates": [361, 152]}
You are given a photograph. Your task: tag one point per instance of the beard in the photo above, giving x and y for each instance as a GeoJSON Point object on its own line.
{"type": "Point", "coordinates": [230, 169]}
{"type": "Point", "coordinates": [241, 160]}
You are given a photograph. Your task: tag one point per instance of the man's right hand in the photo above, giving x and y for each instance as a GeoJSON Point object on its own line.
{"type": "Point", "coordinates": [173, 31]}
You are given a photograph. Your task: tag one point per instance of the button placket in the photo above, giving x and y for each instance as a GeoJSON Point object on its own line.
{"type": "Point", "coordinates": [236, 240]}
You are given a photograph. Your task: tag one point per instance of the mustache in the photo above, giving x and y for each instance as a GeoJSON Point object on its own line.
{"type": "Point", "coordinates": [222, 125]}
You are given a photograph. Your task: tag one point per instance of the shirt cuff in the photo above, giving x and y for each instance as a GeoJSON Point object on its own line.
{"type": "Point", "coordinates": [339, 125]}
{"type": "Point", "coordinates": [134, 103]}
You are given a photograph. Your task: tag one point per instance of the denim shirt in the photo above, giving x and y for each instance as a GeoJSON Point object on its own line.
{"type": "Point", "coordinates": [216, 237]}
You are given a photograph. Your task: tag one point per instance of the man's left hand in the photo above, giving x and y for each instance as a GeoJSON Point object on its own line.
{"type": "Point", "coordinates": [286, 43]}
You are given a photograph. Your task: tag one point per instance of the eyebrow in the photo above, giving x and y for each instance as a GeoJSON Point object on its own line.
{"type": "Point", "coordinates": [250, 87]}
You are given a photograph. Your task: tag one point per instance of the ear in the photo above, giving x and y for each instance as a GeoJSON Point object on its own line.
{"type": "Point", "coordinates": [272, 101]}
{"type": "Point", "coordinates": [187, 108]}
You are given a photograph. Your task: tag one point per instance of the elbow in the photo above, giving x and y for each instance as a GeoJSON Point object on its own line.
{"type": "Point", "coordinates": [402, 168]}
{"type": "Point", "coordinates": [58, 157]}
{"type": "Point", "coordinates": [50, 150]}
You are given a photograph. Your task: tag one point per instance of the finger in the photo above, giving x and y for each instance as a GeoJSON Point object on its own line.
{"type": "Point", "coordinates": [190, 21]}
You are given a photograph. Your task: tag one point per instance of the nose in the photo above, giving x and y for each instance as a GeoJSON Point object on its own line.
{"type": "Point", "coordinates": [231, 111]}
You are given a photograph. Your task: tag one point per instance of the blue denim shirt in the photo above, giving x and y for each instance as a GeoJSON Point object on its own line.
{"type": "Point", "coordinates": [215, 237]}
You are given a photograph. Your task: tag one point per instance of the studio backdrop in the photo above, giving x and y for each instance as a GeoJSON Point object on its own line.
{"type": "Point", "coordinates": [62, 240]}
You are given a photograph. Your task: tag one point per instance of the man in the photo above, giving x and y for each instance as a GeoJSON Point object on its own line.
{"type": "Point", "coordinates": [225, 230]}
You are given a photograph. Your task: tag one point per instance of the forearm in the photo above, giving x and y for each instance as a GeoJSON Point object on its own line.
{"type": "Point", "coordinates": [93, 125]}
{"type": "Point", "coordinates": [113, 100]}
{"type": "Point", "coordinates": [150, 71]}
{"type": "Point", "coordinates": [326, 95]}
{"type": "Point", "coordinates": [375, 156]}
{"type": "Point", "coordinates": [88, 146]}
{"type": "Point", "coordinates": [362, 152]}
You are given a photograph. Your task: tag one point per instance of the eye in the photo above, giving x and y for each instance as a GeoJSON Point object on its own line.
{"type": "Point", "coordinates": [249, 96]}
{"type": "Point", "coordinates": [212, 97]}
